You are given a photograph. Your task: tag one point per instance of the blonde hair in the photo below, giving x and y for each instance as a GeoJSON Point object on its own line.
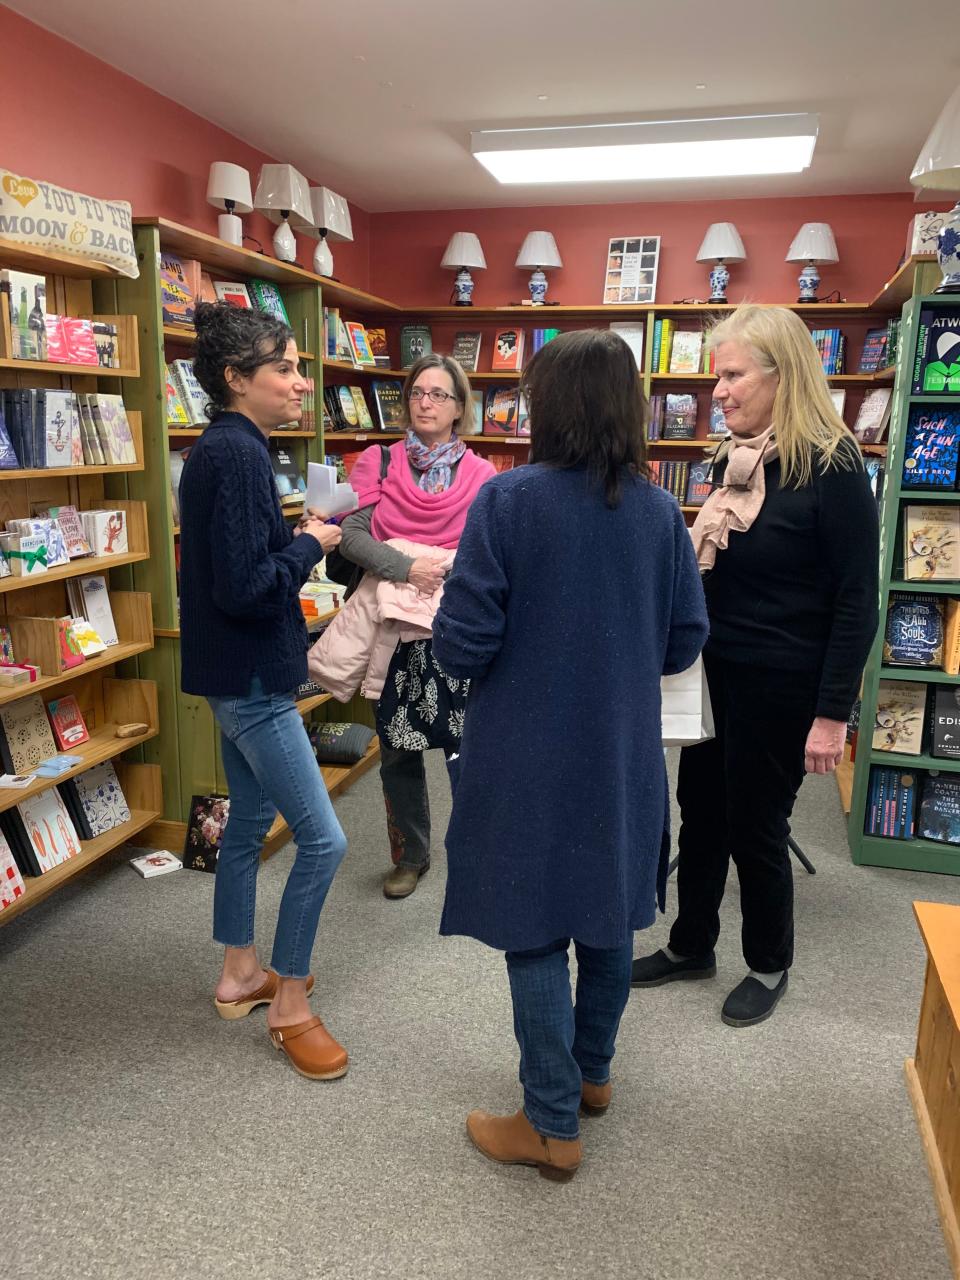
{"type": "Point", "coordinates": [806, 423]}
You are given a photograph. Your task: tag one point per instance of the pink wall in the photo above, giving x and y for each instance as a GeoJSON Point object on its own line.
{"type": "Point", "coordinates": [90, 127]}
{"type": "Point", "coordinates": [870, 231]}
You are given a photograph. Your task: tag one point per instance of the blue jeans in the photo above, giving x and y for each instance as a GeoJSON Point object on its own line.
{"type": "Point", "coordinates": [561, 1045]}
{"type": "Point", "coordinates": [270, 765]}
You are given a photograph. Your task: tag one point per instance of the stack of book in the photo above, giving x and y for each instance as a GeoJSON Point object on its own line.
{"type": "Point", "coordinates": [831, 346]}
{"type": "Point", "coordinates": [348, 409]}
{"type": "Point", "coordinates": [891, 800]}
{"type": "Point", "coordinates": [672, 476]}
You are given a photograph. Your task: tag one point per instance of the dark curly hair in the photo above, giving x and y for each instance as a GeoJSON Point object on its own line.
{"type": "Point", "coordinates": [587, 408]}
{"type": "Point", "coordinates": [231, 337]}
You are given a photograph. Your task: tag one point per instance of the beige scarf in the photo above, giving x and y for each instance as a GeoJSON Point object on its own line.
{"type": "Point", "coordinates": [736, 504]}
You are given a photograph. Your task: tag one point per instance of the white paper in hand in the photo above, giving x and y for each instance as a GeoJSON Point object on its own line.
{"type": "Point", "coordinates": [324, 494]}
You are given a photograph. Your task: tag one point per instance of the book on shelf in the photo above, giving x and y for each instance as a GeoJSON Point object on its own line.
{"type": "Point", "coordinates": [377, 340]}
{"type": "Point", "coordinates": [67, 722]}
{"type": "Point", "coordinates": [923, 232]}
{"type": "Point", "coordinates": [913, 634]}
{"type": "Point", "coordinates": [940, 808]}
{"type": "Point", "coordinates": [466, 350]}
{"type": "Point", "coordinates": [500, 416]}
{"type": "Point", "coordinates": [542, 336]}
{"type": "Point", "coordinates": [507, 351]}
{"type": "Point", "coordinates": [699, 483]}
{"type": "Point", "coordinates": [416, 340]}
{"type": "Point", "coordinates": [48, 829]}
{"type": "Point", "coordinates": [474, 425]}
{"type": "Point", "coordinates": [176, 410]}
{"type": "Point", "coordinates": [501, 461]}
{"type": "Point", "coordinates": [348, 408]}
{"type": "Point", "coordinates": [266, 297]}
{"type": "Point", "coordinates": [891, 803]}
{"type": "Point", "coordinates": [291, 486]}
{"type": "Point", "coordinates": [155, 862]}
{"type": "Point", "coordinates": [930, 447]}
{"type": "Point", "coordinates": [936, 366]}
{"type": "Point", "coordinates": [100, 803]}
{"type": "Point", "coordinates": [89, 597]}
{"type": "Point", "coordinates": [192, 395]}
{"type": "Point", "coordinates": [235, 292]}
{"type": "Point", "coordinates": [331, 316]}
{"type": "Point", "coordinates": [686, 351]}
{"type": "Point", "coordinates": [113, 427]}
{"type": "Point", "coordinates": [388, 400]}
{"type": "Point", "coordinates": [901, 707]}
{"type": "Point", "coordinates": [364, 421]}
{"type": "Point", "coordinates": [873, 415]}
{"type": "Point", "coordinates": [11, 881]}
{"type": "Point", "coordinates": [655, 418]}
{"type": "Point", "coordinates": [831, 347]}
{"type": "Point", "coordinates": [839, 397]}
{"type": "Point", "coordinates": [359, 346]}
{"type": "Point", "coordinates": [663, 331]}
{"type": "Point", "coordinates": [873, 355]}
{"type": "Point", "coordinates": [177, 458]}
{"type": "Point", "coordinates": [631, 331]}
{"type": "Point", "coordinates": [931, 543]}
{"type": "Point", "coordinates": [672, 476]}
{"type": "Point", "coordinates": [679, 417]}
{"type": "Point", "coordinates": [28, 733]}
{"type": "Point", "coordinates": [945, 723]}
{"type": "Point", "coordinates": [176, 297]}
{"type": "Point", "coordinates": [523, 415]}
{"type": "Point", "coordinates": [951, 636]}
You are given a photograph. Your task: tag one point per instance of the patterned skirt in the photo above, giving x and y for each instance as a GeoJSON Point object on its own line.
{"type": "Point", "coordinates": [421, 706]}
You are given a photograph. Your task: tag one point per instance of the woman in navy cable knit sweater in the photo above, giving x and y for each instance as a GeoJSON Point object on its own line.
{"type": "Point", "coordinates": [243, 646]}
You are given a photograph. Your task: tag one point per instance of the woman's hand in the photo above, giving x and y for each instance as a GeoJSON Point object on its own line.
{"type": "Point", "coordinates": [328, 535]}
{"type": "Point", "coordinates": [426, 575]}
{"type": "Point", "coordinates": [824, 748]}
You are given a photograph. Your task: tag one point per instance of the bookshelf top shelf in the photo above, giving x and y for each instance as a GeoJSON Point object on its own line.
{"type": "Point", "coordinates": [230, 259]}
{"type": "Point", "coordinates": [900, 286]}
{"type": "Point", "coordinates": [22, 257]}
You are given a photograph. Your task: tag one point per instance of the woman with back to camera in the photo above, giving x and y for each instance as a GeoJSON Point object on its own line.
{"type": "Point", "coordinates": [430, 481]}
{"type": "Point", "coordinates": [788, 546]}
{"type": "Point", "coordinates": [575, 588]}
{"type": "Point", "coordinates": [243, 643]}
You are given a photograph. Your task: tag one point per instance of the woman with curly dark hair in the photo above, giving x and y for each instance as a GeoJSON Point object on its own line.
{"type": "Point", "coordinates": [243, 644]}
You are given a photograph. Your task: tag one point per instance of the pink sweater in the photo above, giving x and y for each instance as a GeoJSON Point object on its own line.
{"type": "Point", "coordinates": [403, 510]}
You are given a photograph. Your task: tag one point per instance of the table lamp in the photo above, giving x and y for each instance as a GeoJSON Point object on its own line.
{"type": "Point", "coordinates": [938, 169]}
{"type": "Point", "coordinates": [331, 218]}
{"type": "Point", "coordinates": [539, 251]}
{"type": "Point", "coordinates": [283, 195]}
{"type": "Point", "coordinates": [721, 244]}
{"type": "Point", "coordinates": [228, 187]}
{"type": "Point", "coordinates": [813, 243]}
{"type": "Point", "coordinates": [462, 253]}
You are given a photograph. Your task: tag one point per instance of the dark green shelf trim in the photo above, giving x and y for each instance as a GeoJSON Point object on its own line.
{"type": "Point", "coordinates": [939, 398]}
{"type": "Point", "coordinates": [928, 675]}
{"type": "Point", "coordinates": [938, 588]}
{"type": "Point", "coordinates": [908, 855]}
{"type": "Point", "coordinates": [899, 761]}
{"type": "Point", "coordinates": [929, 495]}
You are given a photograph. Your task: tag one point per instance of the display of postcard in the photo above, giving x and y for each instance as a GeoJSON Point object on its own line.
{"type": "Point", "coordinates": [631, 271]}
{"type": "Point", "coordinates": [940, 808]}
{"type": "Point", "coordinates": [913, 636]}
{"type": "Point", "coordinates": [931, 543]}
{"type": "Point", "coordinates": [102, 798]}
{"type": "Point", "coordinates": [59, 418]}
{"type": "Point", "coordinates": [11, 881]}
{"type": "Point", "coordinates": [205, 826]}
{"type": "Point", "coordinates": [899, 717]}
{"type": "Point", "coordinates": [930, 447]}
{"type": "Point", "coordinates": [67, 722]}
{"type": "Point", "coordinates": [936, 367]}
{"type": "Point", "coordinates": [50, 830]}
{"type": "Point", "coordinates": [28, 733]}
{"type": "Point", "coordinates": [113, 425]}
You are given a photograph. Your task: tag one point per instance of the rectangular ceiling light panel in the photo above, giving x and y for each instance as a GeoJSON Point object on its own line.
{"type": "Point", "coordinates": [728, 147]}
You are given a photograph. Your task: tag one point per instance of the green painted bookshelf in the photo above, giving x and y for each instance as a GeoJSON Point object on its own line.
{"type": "Point", "coordinates": [916, 854]}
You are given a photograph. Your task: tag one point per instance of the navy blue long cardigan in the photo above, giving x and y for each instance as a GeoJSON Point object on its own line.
{"type": "Point", "coordinates": [565, 613]}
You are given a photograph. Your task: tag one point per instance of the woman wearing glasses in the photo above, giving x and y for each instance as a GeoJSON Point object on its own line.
{"type": "Point", "coordinates": [422, 496]}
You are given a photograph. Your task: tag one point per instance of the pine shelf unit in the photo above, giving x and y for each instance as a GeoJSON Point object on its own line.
{"type": "Point", "coordinates": [916, 854]}
{"type": "Point", "coordinates": [106, 686]}
{"type": "Point", "coordinates": [187, 749]}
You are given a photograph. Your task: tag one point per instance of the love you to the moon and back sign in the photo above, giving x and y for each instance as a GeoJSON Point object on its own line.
{"type": "Point", "coordinates": [45, 216]}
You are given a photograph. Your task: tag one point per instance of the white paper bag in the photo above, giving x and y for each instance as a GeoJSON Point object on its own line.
{"type": "Point", "coordinates": [686, 714]}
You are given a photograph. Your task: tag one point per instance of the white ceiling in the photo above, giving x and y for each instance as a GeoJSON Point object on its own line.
{"type": "Point", "coordinates": [307, 81]}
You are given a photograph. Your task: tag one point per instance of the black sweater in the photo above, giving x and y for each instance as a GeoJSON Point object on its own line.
{"type": "Point", "coordinates": [241, 568]}
{"type": "Point", "coordinates": [798, 590]}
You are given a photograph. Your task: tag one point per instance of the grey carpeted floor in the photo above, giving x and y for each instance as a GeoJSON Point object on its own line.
{"type": "Point", "coordinates": [144, 1138]}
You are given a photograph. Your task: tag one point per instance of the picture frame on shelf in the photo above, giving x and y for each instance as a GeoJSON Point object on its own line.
{"type": "Point", "coordinates": [631, 270]}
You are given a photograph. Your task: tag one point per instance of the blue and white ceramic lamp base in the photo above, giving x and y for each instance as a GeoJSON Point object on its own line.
{"type": "Point", "coordinates": [948, 252]}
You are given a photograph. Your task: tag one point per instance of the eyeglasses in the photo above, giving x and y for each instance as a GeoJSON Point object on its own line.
{"type": "Point", "coordinates": [435, 394]}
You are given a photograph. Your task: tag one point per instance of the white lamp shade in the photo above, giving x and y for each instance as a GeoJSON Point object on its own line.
{"type": "Point", "coordinates": [464, 250]}
{"type": "Point", "coordinates": [281, 187]}
{"type": "Point", "coordinates": [722, 243]}
{"type": "Point", "coordinates": [229, 182]}
{"type": "Point", "coordinates": [938, 164]}
{"type": "Point", "coordinates": [332, 213]}
{"type": "Point", "coordinates": [814, 242]}
{"type": "Point", "coordinates": [539, 249]}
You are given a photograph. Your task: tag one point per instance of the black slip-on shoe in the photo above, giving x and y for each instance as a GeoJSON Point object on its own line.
{"type": "Point", "coordinates": [655, 970]}
{"type": "Point", "coordinates": [751, 1002]}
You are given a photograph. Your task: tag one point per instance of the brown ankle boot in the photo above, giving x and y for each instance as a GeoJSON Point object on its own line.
{"type": "Point", "coordinates": [595, 1098]}
{"type": "Point", "coordinates": [513, 1140]}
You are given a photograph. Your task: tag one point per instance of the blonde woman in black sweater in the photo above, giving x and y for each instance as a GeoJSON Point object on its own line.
{"type": "Point", "coordinates": [787, 544]}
